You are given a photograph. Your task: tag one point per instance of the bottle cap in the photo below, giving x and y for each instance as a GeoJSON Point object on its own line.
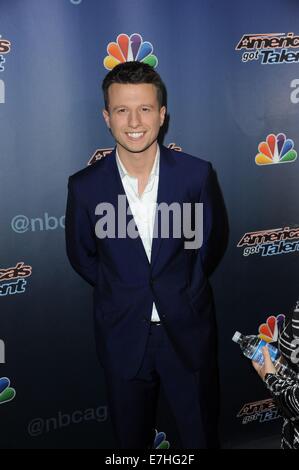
{"type": "Point", "coordinates": [236, 337]}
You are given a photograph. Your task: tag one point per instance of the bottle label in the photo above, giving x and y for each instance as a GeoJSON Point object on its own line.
{"type": "Point", "coordinates": [258, 354]}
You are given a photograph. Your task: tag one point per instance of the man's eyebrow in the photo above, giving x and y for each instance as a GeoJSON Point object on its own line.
{"type": "Point", "coordinates": [119, 106]}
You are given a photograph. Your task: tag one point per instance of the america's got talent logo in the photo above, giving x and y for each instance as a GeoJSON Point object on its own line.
{"type": "Point", "coordinates": [5, 47]}
{"type": "Point", "coordinates": [12, 279]}
{"type": "Point", "coordinates": [269, 48]}
{"type": "Point", "coordinates": [277, 241]}
{"type": "Point", "coordinates": [260, 411]}
{"type": "Point", "coordinates": [101, 153]}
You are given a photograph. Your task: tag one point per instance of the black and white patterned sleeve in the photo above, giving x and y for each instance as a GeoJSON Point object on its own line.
{"type": "Point", "coordinates": [286, 393]}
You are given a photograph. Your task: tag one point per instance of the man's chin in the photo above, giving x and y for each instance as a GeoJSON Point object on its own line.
{"type": "Point", "coordinates": [136, 148]}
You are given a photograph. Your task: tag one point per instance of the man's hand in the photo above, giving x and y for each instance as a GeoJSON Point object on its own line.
{"type": "Point", "coordinates": [267, 367]}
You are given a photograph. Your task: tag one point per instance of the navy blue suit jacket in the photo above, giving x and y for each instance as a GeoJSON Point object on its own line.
{"type": "Point", "coordinates": [126, 284]}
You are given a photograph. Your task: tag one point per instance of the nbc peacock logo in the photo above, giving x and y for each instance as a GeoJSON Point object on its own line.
{"type": "Point", "coordinates": [270, 330]}
{"type": "Point", "coordinates": [7, 393]}
{"type": "Point", "coordinates": [160, 441]}
{"type": "Point", "coordinates": [129, 48]}
{"type": "Point", "coordinates": [276, 149]}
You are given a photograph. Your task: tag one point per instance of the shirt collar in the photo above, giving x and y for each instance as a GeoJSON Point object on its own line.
{"type": "Point", "coordinates": [154, 172]}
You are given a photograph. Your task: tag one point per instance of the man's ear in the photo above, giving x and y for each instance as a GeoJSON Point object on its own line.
{"type": "Point", "coordinates": [106, 117]}
{"type": "Point", "coordinates": [162, 115]}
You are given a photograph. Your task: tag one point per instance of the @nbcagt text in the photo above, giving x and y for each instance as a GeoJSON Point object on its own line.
{"type": "Point", "coordinates": [150, 459]}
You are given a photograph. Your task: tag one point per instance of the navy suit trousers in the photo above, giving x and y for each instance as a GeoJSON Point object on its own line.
{"type": "Point", "coordinates": [133, 402]}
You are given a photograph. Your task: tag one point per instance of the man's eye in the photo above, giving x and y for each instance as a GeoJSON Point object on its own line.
{"type": "Point", "coordinates": [121, 110]}
{"type": "Point", "coordinates": [145, 109]}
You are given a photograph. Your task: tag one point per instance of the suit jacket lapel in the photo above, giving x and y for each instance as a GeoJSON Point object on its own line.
{"type": "Point", "coordinates": [166, 194]}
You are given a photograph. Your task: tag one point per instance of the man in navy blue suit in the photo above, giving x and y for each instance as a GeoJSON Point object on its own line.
{"type": "Point", "coordinates": [153, 307]}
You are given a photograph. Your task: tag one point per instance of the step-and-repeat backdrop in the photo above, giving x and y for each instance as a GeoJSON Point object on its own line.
{"type": "Point", "coordinates": [232, 73]}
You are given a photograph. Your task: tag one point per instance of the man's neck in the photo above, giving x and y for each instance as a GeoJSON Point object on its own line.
{"type": "Point", "coordinates": [140, 164]}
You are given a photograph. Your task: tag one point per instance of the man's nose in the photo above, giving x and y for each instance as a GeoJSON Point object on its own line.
{"type": "Point", "coordinates": [134, 119]}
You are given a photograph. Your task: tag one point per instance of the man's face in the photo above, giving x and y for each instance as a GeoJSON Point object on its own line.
{"type": "Point", "coordinates": [134, 115]}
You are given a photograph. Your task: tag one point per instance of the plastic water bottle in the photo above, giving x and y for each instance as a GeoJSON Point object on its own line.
{"type": "Point", "coordinates": [251, 346]}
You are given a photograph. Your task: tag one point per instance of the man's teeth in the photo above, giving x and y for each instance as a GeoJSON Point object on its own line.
{"type": "Point", "coordinates": [135, 135]}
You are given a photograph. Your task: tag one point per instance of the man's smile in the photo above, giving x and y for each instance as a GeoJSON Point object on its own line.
{"type": "Point", "coordinates": [135, 135]}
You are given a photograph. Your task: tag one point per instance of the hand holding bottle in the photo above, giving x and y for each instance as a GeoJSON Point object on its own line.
{"type": "Point", "coordinates": [252, 346]}
{"type": "Point", "coordinates": [267, 367]}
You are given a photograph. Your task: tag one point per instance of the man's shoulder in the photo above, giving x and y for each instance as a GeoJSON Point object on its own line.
{"type": "Point", "coordinates": [87, 174]}
{"type": "Point", "coordinates": [188, 162]}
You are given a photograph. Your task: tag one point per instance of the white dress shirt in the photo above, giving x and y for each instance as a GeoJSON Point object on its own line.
{"type": "Point", "coordinates": [143, 207]}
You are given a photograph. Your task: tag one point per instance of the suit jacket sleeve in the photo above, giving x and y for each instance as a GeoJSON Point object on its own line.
{"type": "Point", "coordinates": [80, 237]}
{"type": "Point", "coordinates": [215, 229]}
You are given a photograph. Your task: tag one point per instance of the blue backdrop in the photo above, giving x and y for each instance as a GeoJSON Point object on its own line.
{"type": "Point", "coordinates": [231, 70]}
